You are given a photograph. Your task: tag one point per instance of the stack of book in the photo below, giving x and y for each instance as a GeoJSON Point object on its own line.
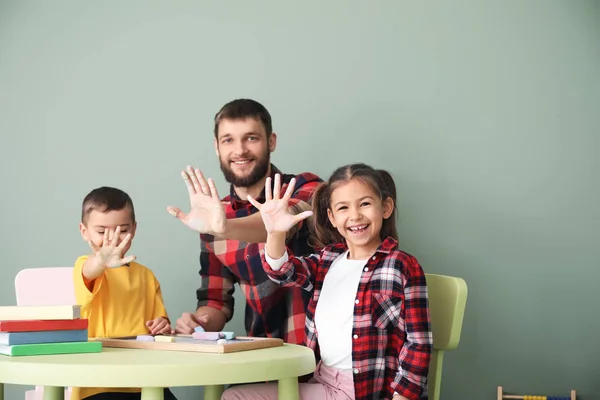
{"type": "Point", "coordinates": [44, 330]}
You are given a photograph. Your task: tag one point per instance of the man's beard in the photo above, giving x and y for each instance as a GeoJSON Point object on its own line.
{"type": "Point", "coordinates": [258, 173]}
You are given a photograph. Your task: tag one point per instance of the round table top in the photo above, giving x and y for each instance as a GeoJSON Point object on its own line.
{"type": "Point", "coordinates": [116, 367]}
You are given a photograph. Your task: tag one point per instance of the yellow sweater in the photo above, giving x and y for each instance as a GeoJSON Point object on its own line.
{"type": "Point", "coordinates": [117, 303]}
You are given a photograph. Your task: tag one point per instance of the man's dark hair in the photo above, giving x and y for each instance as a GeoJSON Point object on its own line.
{"type": "Point", "coordinates": [242, 109]}
{"type": "Point", "coordinates": [104, 199]}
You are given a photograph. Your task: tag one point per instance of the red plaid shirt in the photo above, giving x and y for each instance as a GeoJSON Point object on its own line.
{"type": "Point", "coordinates": [271, 310]}
{"type": "Point", "coordinates": [392, 335]}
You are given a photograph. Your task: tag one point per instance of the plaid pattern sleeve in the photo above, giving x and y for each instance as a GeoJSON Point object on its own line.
{"type": "Point", "coordinates": [304, 188]}
{"type": "Point", "coordinates": [413, 365]}
{"type": "Point", "coordinates": [217, 288]}
{"type": "Point", "coordinates": [297, 271]}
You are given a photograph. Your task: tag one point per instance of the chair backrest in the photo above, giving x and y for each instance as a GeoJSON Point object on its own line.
{"type": "Point", "coordinates": [52, 286]}
{"type": "Point", "coordinates": [447, 302]}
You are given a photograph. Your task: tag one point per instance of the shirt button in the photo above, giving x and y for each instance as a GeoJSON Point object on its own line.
{"type": "Point", "coordinates": [356, 301]}
{"type": "Point", "coordinates": [356, 370]}
{"type": "Point", "coordinates": [355, 336]}
{"type": "Point", "coordinates": [366, 269]}
{"type": "Point", "coordinates": [373, 258]}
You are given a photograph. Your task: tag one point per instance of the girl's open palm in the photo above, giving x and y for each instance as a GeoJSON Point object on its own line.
{"type": "Point", "coordinates": [274, 211]}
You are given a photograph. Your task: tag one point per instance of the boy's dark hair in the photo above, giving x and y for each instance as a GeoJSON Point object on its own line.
{"type": "Point", "coordinates": [242, 109]}
{"type": "Point", "coordinates": [104, 199]}
{"type": "Point", "coordinates": [380, 181]}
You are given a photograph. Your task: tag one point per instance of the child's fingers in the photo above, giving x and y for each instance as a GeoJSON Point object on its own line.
{"type": "Point", "coordinates": [128, 259]}
{"type": "Point", "coordinates": [115, 236]}
{"type": "Point", "coordinates": [122, 245]}
{"type": "Point", "coordinates": [268, 195]}
{"type": "Point", "coordinates": [254, 202]}
{"type": "Point", "coordinates": [154, 326]}
{"type": "Point", "coordinates": [303, 215]}
{"type": "Point", "coordinates": [166, 329]}
{"type": "Point", "coordinates": [122, 262]}
{"type": "Point", "coordinates": [277, 187]}
{"type": "Point", "coordinates": [290, 190]}
{"type": "Point", "coordinates": [105, 238]}
{"type": "Point", "coordinates": [160, 327]}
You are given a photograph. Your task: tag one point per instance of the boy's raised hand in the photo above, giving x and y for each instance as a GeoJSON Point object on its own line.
{"type": "Point", "coordinates": [110, 255]}
{"type": "Point", "coordinates": [206, 211]}
{"type": "Point", "coordinates": [274, 211]}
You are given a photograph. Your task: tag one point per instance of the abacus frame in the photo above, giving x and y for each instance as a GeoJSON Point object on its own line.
{"type": "Point", "coordinates": [502, 396]}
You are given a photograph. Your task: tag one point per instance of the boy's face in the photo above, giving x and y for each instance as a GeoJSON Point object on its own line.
{"type": "Point", "coordinates": [98, 222]}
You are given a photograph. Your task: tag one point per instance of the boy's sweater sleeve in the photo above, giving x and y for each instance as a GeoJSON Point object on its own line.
{"type": "Point", "coordinates": [85, 290]}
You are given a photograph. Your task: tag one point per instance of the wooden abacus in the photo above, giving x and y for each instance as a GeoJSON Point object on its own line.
{"type": "Point", "coordinates": [502, 396]}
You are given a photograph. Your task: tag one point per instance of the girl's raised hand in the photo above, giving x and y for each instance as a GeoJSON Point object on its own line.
{"type": "Point", "coordinates": [274, 211]}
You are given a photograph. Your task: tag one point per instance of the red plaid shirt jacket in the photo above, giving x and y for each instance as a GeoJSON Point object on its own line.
{"type": "Point", "coordinates": [392, 337]}
{"type": "Point", "coordinates": [271, 310]}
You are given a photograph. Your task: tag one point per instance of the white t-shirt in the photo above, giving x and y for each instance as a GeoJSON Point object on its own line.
{"type": "Point", "coordinates": [334, 315]}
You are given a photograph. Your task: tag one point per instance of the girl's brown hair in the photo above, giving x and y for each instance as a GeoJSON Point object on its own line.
{"type": "Point", "coordinates": [382, 183]}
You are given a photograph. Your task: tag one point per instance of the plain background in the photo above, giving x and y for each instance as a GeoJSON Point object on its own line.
{"type": "Point", "coordinates": [486, 112]}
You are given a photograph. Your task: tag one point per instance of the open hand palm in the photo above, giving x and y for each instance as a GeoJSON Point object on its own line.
{"type": "Point", "coordinates": [206, 211]}
{"type": "Point", "coordinates": [109, 256]}
{"type": "Point", "coordinates": [275, 211]}
{"type": "Point", "coordinates": [206, 214]}
{"type": "Point", "coordinates": [276, 216]}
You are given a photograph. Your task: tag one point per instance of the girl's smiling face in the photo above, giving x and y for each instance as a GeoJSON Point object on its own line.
{"type": "Point", "coordinates": [357, 212]}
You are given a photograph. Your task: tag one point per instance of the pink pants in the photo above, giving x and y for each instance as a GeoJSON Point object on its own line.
{"type": "Point", "coordinates": [327, 384]}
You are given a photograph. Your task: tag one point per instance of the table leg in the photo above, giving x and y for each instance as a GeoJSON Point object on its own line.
{"type": "Point", "coordinates": [213, 392]}
{"type": "Point", "coordinates": [153, 393]}
{"type": "Point", "coordinates": [54, 393]}
{"type": "Point", "coordinates": [288, 389]}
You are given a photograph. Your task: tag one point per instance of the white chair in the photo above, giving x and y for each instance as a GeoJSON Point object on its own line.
{"type": "Point", "coordinates": [45, 287]}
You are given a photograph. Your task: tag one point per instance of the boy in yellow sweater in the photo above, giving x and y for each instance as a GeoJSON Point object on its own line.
{"type": "Point", "coordinates": [118, 296]}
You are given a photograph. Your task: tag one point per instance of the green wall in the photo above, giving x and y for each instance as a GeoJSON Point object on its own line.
{"type": "Point", "coordinates": [486, 112]}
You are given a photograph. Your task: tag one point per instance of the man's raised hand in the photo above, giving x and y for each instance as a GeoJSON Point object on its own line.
{"type": "Point", "coordinates": [206, 211]}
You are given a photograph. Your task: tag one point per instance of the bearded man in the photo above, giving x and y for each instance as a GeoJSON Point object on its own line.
{"type": "Point", "coordinates": [232, 233]}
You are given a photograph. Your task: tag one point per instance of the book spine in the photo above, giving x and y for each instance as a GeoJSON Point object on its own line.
{"type": "Point", "coordinates": [16, 338]}
{"type": "Point", "coordinates": [50, 348]}
{"type": "Point", "coordinates": [43, 325]}
{"type": "Point", "coordinates": [40, 312]}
